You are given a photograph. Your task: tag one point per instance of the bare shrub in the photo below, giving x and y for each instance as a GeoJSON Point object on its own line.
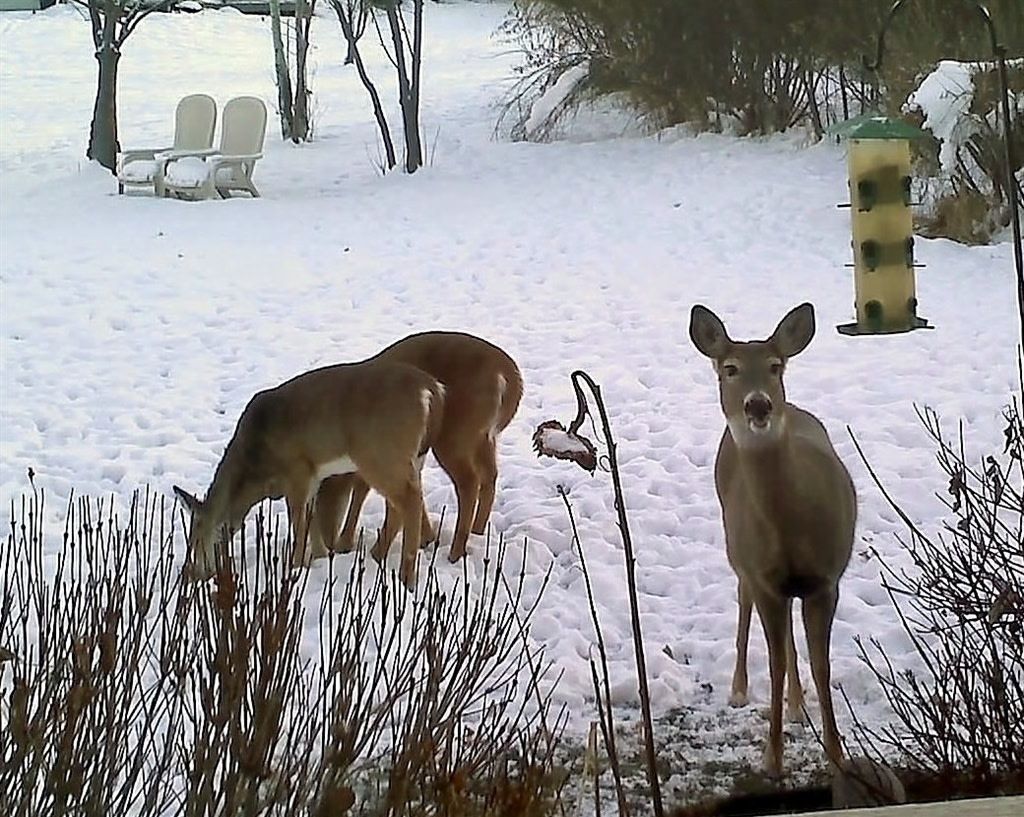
{"type": "Point", "coordinates": [131, 691]}
{"type": "Point", "coordinates": [87, 714]}
{"type": "Point", "coordinates": [961, 601]}
{"type": "Point", "coordinates": [753, 67]}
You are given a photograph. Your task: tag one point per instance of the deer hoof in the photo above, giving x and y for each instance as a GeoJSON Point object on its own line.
{"type": "Point", "coordinates": [456, 553]}
{"type": "Point", "coordinates": [796, 714]}
{"type": "Point", "coordinates": [408, 576]}
{"type": "Point", "coordinates": [346, 545]}
{"type": "Point", "coordinates": [738, 699]}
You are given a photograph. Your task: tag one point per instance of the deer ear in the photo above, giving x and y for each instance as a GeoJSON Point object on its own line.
{"type": "Point", "coordinates": [190, 501]}
{"type": "Point", "coordinates": [794, 331]}
{"type": "Point", "coordinates": [708, 332]}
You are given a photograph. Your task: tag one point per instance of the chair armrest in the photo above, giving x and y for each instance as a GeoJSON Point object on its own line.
{"type": "Point", "coordinates": [234, 158]}
{"type": "Point", "coordinates": [173, 153]}
{"type": "Point", "coordinates": [131, 154]}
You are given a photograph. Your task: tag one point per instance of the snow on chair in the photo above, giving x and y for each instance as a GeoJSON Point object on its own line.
{"type": "Point", "coordinates": [200, 174]}
{"type": "Point", "coordinates": [194, 122]}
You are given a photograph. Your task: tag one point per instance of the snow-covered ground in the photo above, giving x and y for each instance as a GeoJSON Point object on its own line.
{"type": "Point", "coordinates": [134, 330]}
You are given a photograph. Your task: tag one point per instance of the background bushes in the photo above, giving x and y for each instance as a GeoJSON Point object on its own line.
{"type": "Point", "coordinates": [762, 64]}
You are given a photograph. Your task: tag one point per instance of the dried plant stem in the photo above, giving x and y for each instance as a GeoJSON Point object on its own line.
{"type": "Point", "coordinates": [136, 692]}
{"type": "Point", "coordinates": [603, 700]}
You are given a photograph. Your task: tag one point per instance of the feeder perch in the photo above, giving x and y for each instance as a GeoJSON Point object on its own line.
{"type": "Point", "coordinates": [882, 224]}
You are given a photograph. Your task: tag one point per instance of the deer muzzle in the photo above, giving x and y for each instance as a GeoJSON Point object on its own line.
{"type": "Point", "coordinates": [757, 408]}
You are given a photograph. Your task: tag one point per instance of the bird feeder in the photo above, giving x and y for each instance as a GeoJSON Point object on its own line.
{"type": "Point", "coordinates": [883, 229]}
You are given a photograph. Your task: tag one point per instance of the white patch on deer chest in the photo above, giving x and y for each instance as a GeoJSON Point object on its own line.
{"type": "Point", "coordinates": [331, 468]}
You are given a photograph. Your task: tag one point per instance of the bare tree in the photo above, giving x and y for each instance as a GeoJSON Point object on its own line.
{"type": "Point", "coordinates": [405, 50]}
{"type": "Point", "coordinates": [301, 122]}
{"type": "Point", "coordinates": [407, 66]}
{"type": "Point", "coordinates": [112, 22]}
{"type": "Point", "coordinates": [353, 16]}
{"type": "Point", "coordinates": [357, 13]}
{"type": "Point", "coordinates": [282, 74]}
{"type": "Point", "coordinates": [292, 98]}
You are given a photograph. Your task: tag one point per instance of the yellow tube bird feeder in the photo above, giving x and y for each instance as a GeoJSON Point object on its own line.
{"type": "Point", "coordinates": [882, 224]}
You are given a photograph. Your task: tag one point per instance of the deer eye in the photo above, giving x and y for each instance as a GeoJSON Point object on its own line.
{"type": "Point", "coordinates": [730, 370]}
{"type": "Point", "coordinates": [776, 368]}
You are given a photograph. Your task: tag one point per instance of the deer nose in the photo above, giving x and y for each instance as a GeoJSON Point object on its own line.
{"type": "Point", "coordinates": [757, 407]}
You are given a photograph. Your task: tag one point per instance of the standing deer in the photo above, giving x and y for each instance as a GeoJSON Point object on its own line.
{"type": "Point", "coordinates": [483, 387]}
{"type": "Point", "coordinates": [789, 509]}
{"type": "Point", "coordinates": [374, 417]}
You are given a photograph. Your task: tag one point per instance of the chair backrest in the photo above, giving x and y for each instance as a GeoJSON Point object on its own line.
{"type": "Point", "coordinates": [244, 126]}
{"type": "Point", "coordinates": [194, 122]}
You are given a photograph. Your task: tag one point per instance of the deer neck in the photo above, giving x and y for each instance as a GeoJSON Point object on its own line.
{"type": "Point", "coordinates": [771, 474]}
{"type": "Point", "coordinates": [233, 491]}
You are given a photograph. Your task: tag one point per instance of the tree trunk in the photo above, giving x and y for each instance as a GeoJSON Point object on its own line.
{"type": "Point", "coordinates": [408, 97]}
{"type": "Point", "coordinates": [413, 124]}
{"type": "Point", "coordinates": [284, 80]}
{"type": "Point", "coordinates": [103, 144]}
{"type": "Point", "coordinates": [300, 110]}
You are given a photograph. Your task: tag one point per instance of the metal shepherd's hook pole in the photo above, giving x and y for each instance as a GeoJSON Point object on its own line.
{"type": "Point", "coordinates": [1013, 192]}
{"type": "Point", "coordinates": [579, 378]}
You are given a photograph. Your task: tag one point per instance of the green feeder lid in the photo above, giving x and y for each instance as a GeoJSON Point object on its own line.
{"type": "Point", "coordinates": [875, 126]}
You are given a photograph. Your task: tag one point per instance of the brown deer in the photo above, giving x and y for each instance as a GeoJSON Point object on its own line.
{"type": "Point", "coordinates": [483, 387]}
{"type": "Point", "coordinates": [789, 510]}
{"type": "Point", "coordinates": [376, 417]}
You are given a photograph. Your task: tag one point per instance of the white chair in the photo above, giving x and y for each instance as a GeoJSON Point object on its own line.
{"type": "Point", "coordinates": [194, 122]}
{"type": "Point", "coordinates": [198, 175]}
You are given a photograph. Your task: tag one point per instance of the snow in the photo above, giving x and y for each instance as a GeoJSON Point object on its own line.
{"type": "Point", "coordinates": [190, 171]}
{"type": "Point", "coordinates": [945, 97]}
{"type": "Point", "coordinates": [134, 330]}
{"type": "Point", "coordinates": [140, 170]}
{"type": "Point", "coordinates": [554, 96]}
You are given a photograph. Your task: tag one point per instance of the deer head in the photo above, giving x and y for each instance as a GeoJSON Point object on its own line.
{"type": "Point", "coordinates": [750, 373]}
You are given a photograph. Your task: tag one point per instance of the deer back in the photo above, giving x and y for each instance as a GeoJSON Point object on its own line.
{"type": "Point", "coordinates": [483, 384]}
{"type": "Point", "coordinates": [327, 419]}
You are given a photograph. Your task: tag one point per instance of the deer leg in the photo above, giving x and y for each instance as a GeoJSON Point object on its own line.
{"type": "Point", "coordinates": [297, 500]}
{"type": "Point", "coordinates": [467, 489]}
{"type": "Point", "coordinates": [404, 496]}
{"type": "Point", "coordinates": [794, 689]}
{"type": "Point", "coordinates": [405, 504]}
{"type": "Point", "coordinates": [330, 499]}
{"type": "Point", "coordinates": [386, 535]}
{"type": "Point", "coordinates": [819, 611]}
{"type": "Point", "coordinates": [391, 524]}
{"type": "Point", "coordinates": [772, 611]}
{"type": "Point", "coordinates": [487, 469]}
{"type": "Point", "coordinates": [427, 533]}
{"type": "Point", "coordinates": [738, 696]}
{"type": "Point", "coordinates": [346, 541]}
{"type": "Point", "coordinates": [413, 512]}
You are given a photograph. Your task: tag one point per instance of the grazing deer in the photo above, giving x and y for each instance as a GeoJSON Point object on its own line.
{"type": "Point", "coordinates": [374, 417]}
{"type": "Point", "coordinates": [483, 387]}
{"type": "Point", "coordinates": [789, 509]}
